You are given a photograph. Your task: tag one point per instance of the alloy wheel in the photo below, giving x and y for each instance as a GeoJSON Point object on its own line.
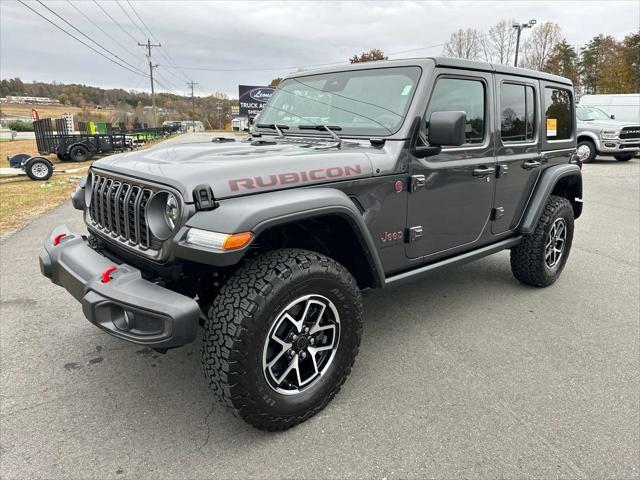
{"type": "Point", "coordinates": [301, 344]}
{"type": "Point", "coordinates": [556, 239]}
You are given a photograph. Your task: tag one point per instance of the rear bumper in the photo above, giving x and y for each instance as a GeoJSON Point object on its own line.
{"type": "Point", "coordinates": [125, 306]}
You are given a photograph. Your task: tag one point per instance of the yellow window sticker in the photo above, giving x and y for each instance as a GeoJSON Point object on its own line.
{"type": "Point", "coordinates": [552, 127]}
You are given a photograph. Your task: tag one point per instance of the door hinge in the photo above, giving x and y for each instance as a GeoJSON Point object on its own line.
{"type": "Point", "coordinates": [497, 213]}
{"type": "Point", "coordinates": [417, 182]}
{"type": "Point", "coordinates": [415, 234]}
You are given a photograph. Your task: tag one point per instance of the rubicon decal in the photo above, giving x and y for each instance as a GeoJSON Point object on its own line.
{"type": "Point", "coordinates": [292, 178]}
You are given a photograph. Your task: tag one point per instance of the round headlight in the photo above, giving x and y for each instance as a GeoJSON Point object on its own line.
{"type": "Point", "coordinates": [171, 211]}
{"type": "Point", "coordinates": [163, 214]}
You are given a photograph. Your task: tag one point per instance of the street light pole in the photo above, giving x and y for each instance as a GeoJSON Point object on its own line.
{"type": "Point", "coordinates": [519, 27]}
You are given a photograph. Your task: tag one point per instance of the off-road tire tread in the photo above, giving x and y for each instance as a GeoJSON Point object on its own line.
{"type": "Point", "coordinates": [526, 263]}
{"type": "Point", "coordinates": [224, 358]}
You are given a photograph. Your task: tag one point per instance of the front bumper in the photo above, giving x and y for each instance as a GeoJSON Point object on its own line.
{"type": "Point", "coordinates": [123, 303]}
{"type": "Point", "coordinates": [616, 145]}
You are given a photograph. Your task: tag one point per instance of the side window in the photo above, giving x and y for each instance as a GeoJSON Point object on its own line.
{"type": "Point", "coordinates": [558, 113]}
{"type": "Point", "coordinates": [452, 94]}
{"type": "Point", "coordinates": [517, 113]}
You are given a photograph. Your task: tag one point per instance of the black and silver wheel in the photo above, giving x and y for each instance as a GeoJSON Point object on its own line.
{"type": "Point", "coordinates": [623, 157]}
{"type": "Point", "coordinates": [301, 344]}
{"type": "Point", "coordinates": [281, 337]}
{"type": "Point", "coordinates": [79, 153]}
{"type": "Point", "coordinates": [586, 151]}
{"type": "Point", "coordinates": [541, 256]}
{"type": "Point", "coordinates": [39, 169]}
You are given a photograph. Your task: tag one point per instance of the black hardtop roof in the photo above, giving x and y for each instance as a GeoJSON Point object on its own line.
{"type": "Point", "coordinates": [441, 62]}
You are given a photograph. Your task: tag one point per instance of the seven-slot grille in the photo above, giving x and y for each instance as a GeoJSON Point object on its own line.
{"type": "Point", "coordinates": [118, 208]}
{"type": "Point", "coordinates": [630, 132]}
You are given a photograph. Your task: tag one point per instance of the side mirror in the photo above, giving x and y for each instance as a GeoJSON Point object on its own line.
{"type": "Point", "coordinates": [613, 117]}
{"type": "Point", "coordinates": [447, 129]}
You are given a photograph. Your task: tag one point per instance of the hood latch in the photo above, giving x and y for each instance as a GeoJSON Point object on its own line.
{"type": "Point", "coordinates": [203, 196]}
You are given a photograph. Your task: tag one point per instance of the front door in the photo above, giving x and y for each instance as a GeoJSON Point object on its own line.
{"type": "Point", "coordinates": [518, 147]}
{"type": "Point", "coordinates": [452, 207]}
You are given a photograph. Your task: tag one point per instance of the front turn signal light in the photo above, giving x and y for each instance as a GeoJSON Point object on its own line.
{"type": "Point", "coordinates": [237, 240]}
{"type": "Point", "coordinates": [218, 241]}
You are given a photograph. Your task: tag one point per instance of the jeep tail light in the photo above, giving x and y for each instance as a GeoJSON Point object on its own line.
{"type": "Point", "coordinates": [218, 241]}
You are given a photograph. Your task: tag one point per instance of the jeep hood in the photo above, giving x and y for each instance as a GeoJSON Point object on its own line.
{"type": "Point", "coordinates": [240, 168]}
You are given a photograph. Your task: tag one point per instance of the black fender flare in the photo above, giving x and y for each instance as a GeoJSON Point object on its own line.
{"type": "Point", "coordinates": [548, 180]}
{"type": "Point", "coordinates": [257, 213]}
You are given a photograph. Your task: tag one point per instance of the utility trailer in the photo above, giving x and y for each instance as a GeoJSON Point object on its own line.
{"type": "Point", "coordinates": [77, 147]}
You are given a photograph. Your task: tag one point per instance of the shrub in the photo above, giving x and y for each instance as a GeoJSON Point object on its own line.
{"type": "Point", "coordinates": [20, 126]}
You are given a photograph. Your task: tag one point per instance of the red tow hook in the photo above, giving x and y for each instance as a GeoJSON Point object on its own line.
{"type": "Point", "coordinates": [57, 238]}
{"type": "Point", "coordinates": [106, 274]}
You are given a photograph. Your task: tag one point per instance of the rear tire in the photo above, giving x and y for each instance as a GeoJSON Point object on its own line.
{"type": "Point", "coordinates": [586, 150]}
{"type": "Point", "coordinates": [270, 371]}
{"type": "Point", "coordinates": [623, 158]}
{"type": "Point", "coordinates": [79, 153]}
{"type": "Point", "coordinates": [541, 256]}
{"type": "Point", "coordinates": [62, 157]}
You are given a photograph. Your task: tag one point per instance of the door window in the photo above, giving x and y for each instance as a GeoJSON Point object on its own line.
{"type": "Point", "coordinates": [558, 113]}
{"type": "Point", "coordinates": [456, 94]}
{"type": "Point", "coordinates": [517, 113]}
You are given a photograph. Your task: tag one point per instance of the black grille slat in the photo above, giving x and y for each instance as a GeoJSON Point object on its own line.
{"type": "Point", "coordinates": [630, 132]}
{"type": "Point", "coordinates": [118, 208]}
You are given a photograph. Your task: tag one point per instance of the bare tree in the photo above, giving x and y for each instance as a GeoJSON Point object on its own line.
{"type": "Point", "coordinates": [464, 44]}
{"type": "Point", "coordinates": [499, 44]}
{"type": "Point", "coordinates": [540, 45]}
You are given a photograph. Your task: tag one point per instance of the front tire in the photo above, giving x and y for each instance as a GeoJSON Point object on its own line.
{"type": "Point", "coordinates": [586, 149]}
{"type": "Point", "coordinates": [541, 256]}
{"type": "Point", "coordinates": [281, 337]}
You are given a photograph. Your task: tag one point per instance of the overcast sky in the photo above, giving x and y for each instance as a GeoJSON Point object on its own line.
{"type": "Point", "coordinates": [253, 42]}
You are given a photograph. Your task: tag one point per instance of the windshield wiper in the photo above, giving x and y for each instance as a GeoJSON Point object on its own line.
{"type": "Point", "coordinates": [328, 128]}
{"type": "Point", "coordinates": [273, 126]}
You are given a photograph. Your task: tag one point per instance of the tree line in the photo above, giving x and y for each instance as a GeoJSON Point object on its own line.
{"type": "Point", "coordinates": [602, 65]}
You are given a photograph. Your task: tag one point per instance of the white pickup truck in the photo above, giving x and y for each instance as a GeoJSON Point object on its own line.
{"type": "Point", "coordinates": [601, 133]}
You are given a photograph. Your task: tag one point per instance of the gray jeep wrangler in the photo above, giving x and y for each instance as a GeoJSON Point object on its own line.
{"type": "Point", "coordinates": [353, 178]}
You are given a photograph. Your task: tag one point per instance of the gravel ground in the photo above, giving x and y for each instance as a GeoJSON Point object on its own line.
{"type": "Point", "coordinates": [465, 373]}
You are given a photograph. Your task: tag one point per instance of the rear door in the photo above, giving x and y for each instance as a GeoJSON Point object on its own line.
{"type": "Point", "coordinates": [451, 203]}
{"type": "Point", "coordinates": [518, 148]}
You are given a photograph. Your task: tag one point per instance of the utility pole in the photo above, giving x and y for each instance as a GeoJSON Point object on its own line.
{"type": "Point", "coordinates": [193, 105]}
{"type": "Point", "coordinates": [150, 45]}
{"type": "Point", "coordinates": [519, 27]}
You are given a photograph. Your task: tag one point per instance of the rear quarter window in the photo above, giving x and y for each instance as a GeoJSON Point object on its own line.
{"type": "Point", "coordinates": [558, 115]}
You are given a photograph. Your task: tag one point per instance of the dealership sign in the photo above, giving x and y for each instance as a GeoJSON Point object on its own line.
{"type": "Point", "coordinates": [253, 99]}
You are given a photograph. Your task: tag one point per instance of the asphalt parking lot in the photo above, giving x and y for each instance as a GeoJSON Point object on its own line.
{"type": "Point", "coordinates": [465, 373]}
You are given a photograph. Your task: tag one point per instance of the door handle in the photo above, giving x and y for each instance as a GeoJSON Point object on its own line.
{"type": "Point", "coordinates": [483, 171]}
{"type": "Point", "coordinates": [530, 164]}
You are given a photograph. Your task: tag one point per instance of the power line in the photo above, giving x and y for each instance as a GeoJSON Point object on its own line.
{"type": "Point", "coordinates": [132, 21]}
{"type": "Point", "coordinates": [163, 50]}
{"type": "Point", "coordinates": [101, 29]}
{"type": "Point", "coordinates": [87, 37]}
{"type": "Point", "coordinates": [77, 39]}
{"type": "Point", "coordinates": [116, 22]}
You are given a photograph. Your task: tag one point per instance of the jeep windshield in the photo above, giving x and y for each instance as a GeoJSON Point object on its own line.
{"type": "Point", "coordinates": [589, 114]}
{"type": "Point", "coordinates": [370, 102]}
